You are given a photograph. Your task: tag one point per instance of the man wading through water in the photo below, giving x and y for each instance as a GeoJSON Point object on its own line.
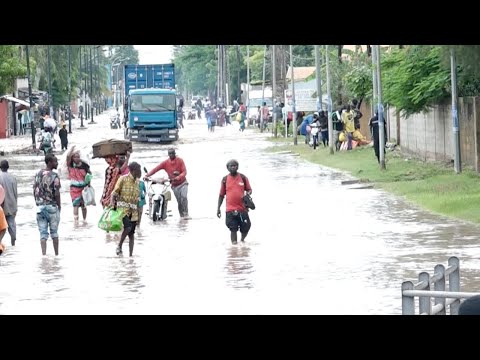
{"type": "Point", "coordinates": [236, 216]}
{"type": "Point", "coordinates": [46, 190]}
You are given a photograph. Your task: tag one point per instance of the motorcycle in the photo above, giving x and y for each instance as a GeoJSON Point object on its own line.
{"type": "Point", "coordinates": [158, 194]}
{"type": "Point", "coordinates": [115, 121]}
{"type": "Point", "coordinates": [315, 130]}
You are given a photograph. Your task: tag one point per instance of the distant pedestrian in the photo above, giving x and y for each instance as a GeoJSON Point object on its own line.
{"type": "Point", "coordinates": [46, 140]}
{"type": "Point", "coordinates": [46, 190]}
{"type": "Point", "coordinates": [63, 134]}
{"type": "Point", "coordinates": [41, 122]}
{"type": "Point", "coordinates": [9, 183]}
{"type": "Point", "coordinates": [349, 125]}
{"type": "Point", "coordinates": [180, 117]}
{"type": "Point", "coordinates": [234, 186]}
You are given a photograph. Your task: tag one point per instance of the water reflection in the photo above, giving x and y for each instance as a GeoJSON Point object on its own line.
{"type": "Point", "coordinates": [239, 267]}
{"type": "Point", "coordinates": [126, 274]}
{"type": "Point", "coordinates": [50, 266]}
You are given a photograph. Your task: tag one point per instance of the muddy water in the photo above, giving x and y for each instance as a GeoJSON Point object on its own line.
{"type": "Point", "coordinates": [315, 247]}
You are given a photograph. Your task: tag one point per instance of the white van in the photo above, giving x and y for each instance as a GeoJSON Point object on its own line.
{"type": "Point", "coordinates": [255, 100]}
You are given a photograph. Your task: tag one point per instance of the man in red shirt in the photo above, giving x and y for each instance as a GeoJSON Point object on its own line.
{"type": "Point", "coordinates": [236, 216]}
{"type": "Point", "coordinates": [177, 172]}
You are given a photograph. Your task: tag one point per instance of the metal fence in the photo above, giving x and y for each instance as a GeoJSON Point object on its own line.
{"type": "Point", "coordinates": [438, 301]}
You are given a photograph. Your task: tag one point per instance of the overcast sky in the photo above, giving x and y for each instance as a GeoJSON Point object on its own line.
{"type": "Point", "coordinates": [154, 54]}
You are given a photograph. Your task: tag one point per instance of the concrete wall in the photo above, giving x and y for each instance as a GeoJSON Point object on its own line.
{"type": "Point", "coordinates": [429, 136]}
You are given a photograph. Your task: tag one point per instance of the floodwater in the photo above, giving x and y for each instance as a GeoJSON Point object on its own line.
{"type": "Point", "coordinates": [315, 246]}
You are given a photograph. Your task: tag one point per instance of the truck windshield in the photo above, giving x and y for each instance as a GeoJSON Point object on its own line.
{"type": "Point", "coordinates": [153, 102]}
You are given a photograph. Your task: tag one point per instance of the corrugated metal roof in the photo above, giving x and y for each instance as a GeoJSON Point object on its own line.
{"type": "Point", "coordinates": [14, 99]}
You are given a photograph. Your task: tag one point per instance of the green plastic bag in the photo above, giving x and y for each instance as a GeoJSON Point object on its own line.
{"type": "Point", "coordinates": [88, 178]}
{"type": "Point", "coordinates": [111, 220]}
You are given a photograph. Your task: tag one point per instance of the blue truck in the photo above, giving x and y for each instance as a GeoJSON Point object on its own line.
{"type": "Point", "coordinates": [150, 105]}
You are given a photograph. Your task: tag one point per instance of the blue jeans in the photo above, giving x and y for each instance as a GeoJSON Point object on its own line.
{"type": "Point", "coordinates": [49, 215]}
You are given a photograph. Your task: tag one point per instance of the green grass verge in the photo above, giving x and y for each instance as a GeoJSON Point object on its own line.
{"type": "Point", "coordinates": [432, 186]}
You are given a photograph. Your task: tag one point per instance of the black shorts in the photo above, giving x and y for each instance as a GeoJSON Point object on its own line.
{"type": "Point", "coordinates": [128, 223]}
{"type": "Point", "coordinates": [238, 220]}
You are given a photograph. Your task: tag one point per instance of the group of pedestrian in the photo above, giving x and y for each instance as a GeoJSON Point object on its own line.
{"type": "Point", "coordinates": [48, 128]}
{"type": "Point", "coordinates": [123, 189]}
{"type": "Point", "coordinates": [346, 128]}
{"type": "Point", "coordinates": [129, 192]}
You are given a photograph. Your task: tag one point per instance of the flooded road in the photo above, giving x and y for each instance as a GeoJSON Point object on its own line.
{"type": "Point", "coordinates": [315, 247]}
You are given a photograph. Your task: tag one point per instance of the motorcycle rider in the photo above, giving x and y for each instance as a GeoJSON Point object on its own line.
{"type": "Point", "coordinates": [177, 172]}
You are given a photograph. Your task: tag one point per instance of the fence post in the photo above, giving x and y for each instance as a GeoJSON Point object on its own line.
{"type": "Point", "coordinates": [408, 302]}
{"type": "Point", "coordinates": [439, 285]}
{"type": "Point", "coordinates": [454, 283]}
{"type": "Point", "coordinates": [425, 304]}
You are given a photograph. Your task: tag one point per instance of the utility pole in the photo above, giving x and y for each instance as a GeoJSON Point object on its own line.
{"type": "Point", "coordinates": [319, 76]}
{"type": "Point", "coordinates": [97, 81]}
{"type": "Point", "coordinates": [69, 88]}
{"type": "Point", "coordinates": [274, 91]}
{"type": "Point", "coordinates": [91, 88]}
{"type": "Point", "coordinates": [85, 61]}
{"type": "Point", "coordinates": [375, 84]}
{"type": "Point", "coordinates": [248, 79]}
{"type": "Point", "coordinates": [82, 104]}
{"type": "Point", "coordinates": [50, 95]}
{"type": "Point", "coordinates": [329, 104]}
{"type": "Point", "coordinates": [263, 86]}
{"type": "Point", "coordinates": [294, 112]}
{"type": "Point", "coordinates": [456, 131]}
{"type": "Point", "coordinates": [381, 122]}
{"type": "Point", "coordinates": [218, 74]}
{"type": "Point", "coordinates": [32, 122]}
